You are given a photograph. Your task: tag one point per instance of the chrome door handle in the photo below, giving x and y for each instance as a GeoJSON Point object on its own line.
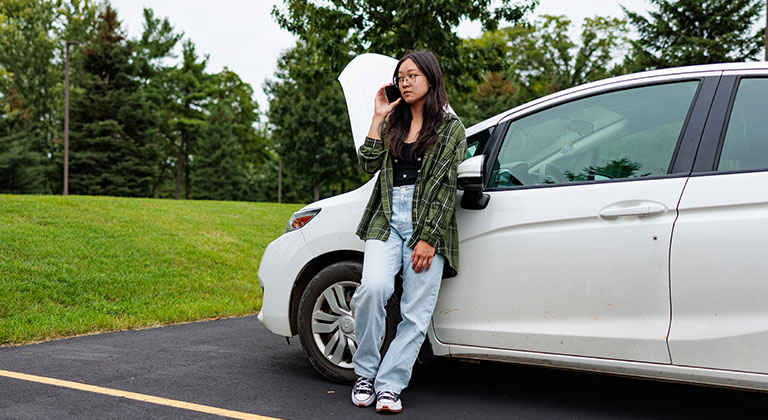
{"type": "Point", "coordinates": [633, 208]}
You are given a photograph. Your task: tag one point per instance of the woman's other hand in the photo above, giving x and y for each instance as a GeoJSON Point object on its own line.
{"type": "Point", "coordinates": [421, 258]}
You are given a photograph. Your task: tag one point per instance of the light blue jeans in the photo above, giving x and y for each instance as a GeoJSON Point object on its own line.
{"type": "Point", "coordinates": [382, 261]}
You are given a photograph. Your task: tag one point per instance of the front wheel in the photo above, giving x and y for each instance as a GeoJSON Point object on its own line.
{"type": "Point", "coordinates": [326, 327]}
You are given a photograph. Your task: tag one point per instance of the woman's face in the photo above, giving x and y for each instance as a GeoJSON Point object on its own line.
{"type": "Point", "coordinates": [413, 83]}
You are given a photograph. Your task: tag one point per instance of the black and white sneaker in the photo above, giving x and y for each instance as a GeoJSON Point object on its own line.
{"type": "Point", "coordinates": [388, 402]}
{"type": "Point", "coordinates": [362, 392]}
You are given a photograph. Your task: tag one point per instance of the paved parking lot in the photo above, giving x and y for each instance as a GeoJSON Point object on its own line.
{"type": "Point", "coordinates": [234, 364]}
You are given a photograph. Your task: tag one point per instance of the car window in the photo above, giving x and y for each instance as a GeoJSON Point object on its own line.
{"type": "Point", "coordinates": [630, 133]}
{"type": "Point", "coordinates": [745, 145]}
{"type": "Point", "coordinates": [476, 143]}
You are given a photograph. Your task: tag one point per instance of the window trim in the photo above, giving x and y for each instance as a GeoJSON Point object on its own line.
{"type": "Point", "coordinates": [708, 153]}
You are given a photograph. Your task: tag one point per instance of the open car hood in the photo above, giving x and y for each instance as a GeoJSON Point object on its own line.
{"type": "Point", "coordinates": [360, 80]}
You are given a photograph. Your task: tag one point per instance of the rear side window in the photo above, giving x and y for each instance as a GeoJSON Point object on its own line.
{"type": "Point", "coordinates": [745, 146]}
{"type": "Point", "coordinates": [630, 133]}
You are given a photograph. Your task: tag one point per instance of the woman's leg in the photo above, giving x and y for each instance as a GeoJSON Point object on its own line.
{"type": "Point", "coordinates": [416, 306]}
{"type": "Point", "coordinates": [381, 263]}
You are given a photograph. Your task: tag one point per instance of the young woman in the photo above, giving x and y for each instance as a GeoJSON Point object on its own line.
{"type": "Point", "coordinates": [409, 224]}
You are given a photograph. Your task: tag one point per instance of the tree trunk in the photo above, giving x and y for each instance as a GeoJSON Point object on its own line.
{"type": "Point", "coordinates": [279, 181]}
{"type": "Point", "coordinates": [179, 164]}
{"type": "Point", "coordinates": [317, 190]}
{"type": "Point", "coordinates": [185, 143]}
{"type": "Point", "coordinates": [186, 176]}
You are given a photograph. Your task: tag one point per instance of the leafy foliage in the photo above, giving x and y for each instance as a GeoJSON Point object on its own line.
{"type": "Point", "coordinates": [311, 124]}
{"type": "Point", "coordinates": [539, 58]}
{"type": "Point", "coordinates": [20, 166]}
{"type": "Point", "coordinates": [341, 29]}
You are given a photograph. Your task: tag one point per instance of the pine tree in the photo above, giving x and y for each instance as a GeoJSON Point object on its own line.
{"type": "Point", "coordinates": [21, 167]}
{"type": "Point", "coordinates": [218, 171]}
{"type": "Point", "coordinates": [114, 140]}
{"type": "Point", "coordinates": [158, 82]}
{"type": "Point", "coordinates": [184, 91]}
{"type": "Point", "coordinates": [686, 32]}
{"type": "Point", "coordinates": [28, 85]}
{"type": "Point", "coordinates": [228, 141]}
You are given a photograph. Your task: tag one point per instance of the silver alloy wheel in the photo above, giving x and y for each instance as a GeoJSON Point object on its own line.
{"type": "Point", "coordinates": [333, 326]}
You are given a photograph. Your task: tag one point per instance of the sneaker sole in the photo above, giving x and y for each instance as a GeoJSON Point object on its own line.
{"type": "Point", "coordinates": [363, 403]}
{"type": "Point", "coordinates": [386, 409]}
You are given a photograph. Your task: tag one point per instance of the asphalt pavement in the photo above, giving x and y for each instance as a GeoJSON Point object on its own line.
{"type": "Point", "coordinates": [235, 364]}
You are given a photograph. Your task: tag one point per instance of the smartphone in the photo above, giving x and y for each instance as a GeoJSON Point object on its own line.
{"type": "Point", "coordinates": [393, 92]}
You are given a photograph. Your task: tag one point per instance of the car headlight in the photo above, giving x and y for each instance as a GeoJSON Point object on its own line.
{"type": "Point", "coordinates": [299, 219]}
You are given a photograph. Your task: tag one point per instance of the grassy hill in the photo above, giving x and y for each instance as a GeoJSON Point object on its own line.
{"type": "Point", "coordinates": [73, 265]}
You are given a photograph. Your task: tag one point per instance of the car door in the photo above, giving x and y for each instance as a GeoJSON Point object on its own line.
{"type": "Point", "coordinates": [719, 268]}
{"type": "Point", "coordinates": [571, 254]}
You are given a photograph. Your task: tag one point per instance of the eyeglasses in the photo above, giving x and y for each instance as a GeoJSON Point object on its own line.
{"type": "Point", "coordinates": [411, 78]}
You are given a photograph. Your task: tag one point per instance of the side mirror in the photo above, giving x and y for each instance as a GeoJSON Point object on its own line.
{"type": "Point", "coordinates": [470, 180]}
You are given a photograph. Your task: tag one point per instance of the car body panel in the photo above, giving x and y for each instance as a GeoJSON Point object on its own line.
{"type": "Point", "coordinates": [332, 230]}
{"type": "Point", "coordinates": [540, 270]}
{"type": "Point", "coordinates": [281, 263]}
{"type": "Point", "coordinates": [656, 371]}
{"type": "Point", "coordinates": [335, 227]}
{"type": "Point", "coordinates": [719, 269]}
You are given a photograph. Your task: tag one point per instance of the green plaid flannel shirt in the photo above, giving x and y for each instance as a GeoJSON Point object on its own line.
{"type": "Point", "coordinates": [434, 197]}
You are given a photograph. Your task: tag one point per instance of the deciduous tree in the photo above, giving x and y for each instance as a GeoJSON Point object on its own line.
{"type": "Point", "coordinates": [311, 125]}
{"type": "Point", "coordinates": [539, 58]}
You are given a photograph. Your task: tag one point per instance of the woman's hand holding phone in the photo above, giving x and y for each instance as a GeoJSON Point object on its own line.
{"type": "Point", "coordinates": [381, 108]}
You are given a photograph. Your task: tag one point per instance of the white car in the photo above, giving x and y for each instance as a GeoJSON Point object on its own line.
{"type": "Point", "coordinates": [617, 227]}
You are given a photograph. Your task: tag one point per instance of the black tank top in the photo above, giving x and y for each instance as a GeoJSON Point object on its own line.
{"type": "Point", "coordinates": [407, 167]}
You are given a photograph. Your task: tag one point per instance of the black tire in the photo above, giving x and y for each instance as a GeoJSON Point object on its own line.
{"type": "Point", "coordinates": [325, 322]}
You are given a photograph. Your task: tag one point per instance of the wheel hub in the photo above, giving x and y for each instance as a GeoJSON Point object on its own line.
{"type": "Point", "coordinates": [347, 324]}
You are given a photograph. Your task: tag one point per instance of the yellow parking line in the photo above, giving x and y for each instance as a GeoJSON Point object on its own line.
{"type": "Point", "coordinates": [134, 396]}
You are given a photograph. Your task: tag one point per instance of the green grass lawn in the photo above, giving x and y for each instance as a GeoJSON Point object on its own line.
{"type": "Point", "coordinates": [74, 265]}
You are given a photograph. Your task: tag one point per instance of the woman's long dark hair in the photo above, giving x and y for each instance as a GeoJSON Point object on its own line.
{"type": "Point", "coordinates": [433, 112]}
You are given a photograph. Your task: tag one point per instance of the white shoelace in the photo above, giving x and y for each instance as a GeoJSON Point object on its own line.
{"type": "Point", "coordinates": [387, 395]}
{"type": "Point", "coordinates": [364, 386]}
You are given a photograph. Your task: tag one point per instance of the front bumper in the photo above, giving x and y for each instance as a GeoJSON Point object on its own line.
{"type": "Point", "coordinates": [280, 266]}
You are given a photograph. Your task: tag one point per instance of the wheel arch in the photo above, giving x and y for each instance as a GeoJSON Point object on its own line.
{"type": "Point", "coordinates": [309, 271]}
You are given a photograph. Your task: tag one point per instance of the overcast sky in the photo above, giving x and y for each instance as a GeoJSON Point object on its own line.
{"type": "Point", "coordinates": [241, 34]}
